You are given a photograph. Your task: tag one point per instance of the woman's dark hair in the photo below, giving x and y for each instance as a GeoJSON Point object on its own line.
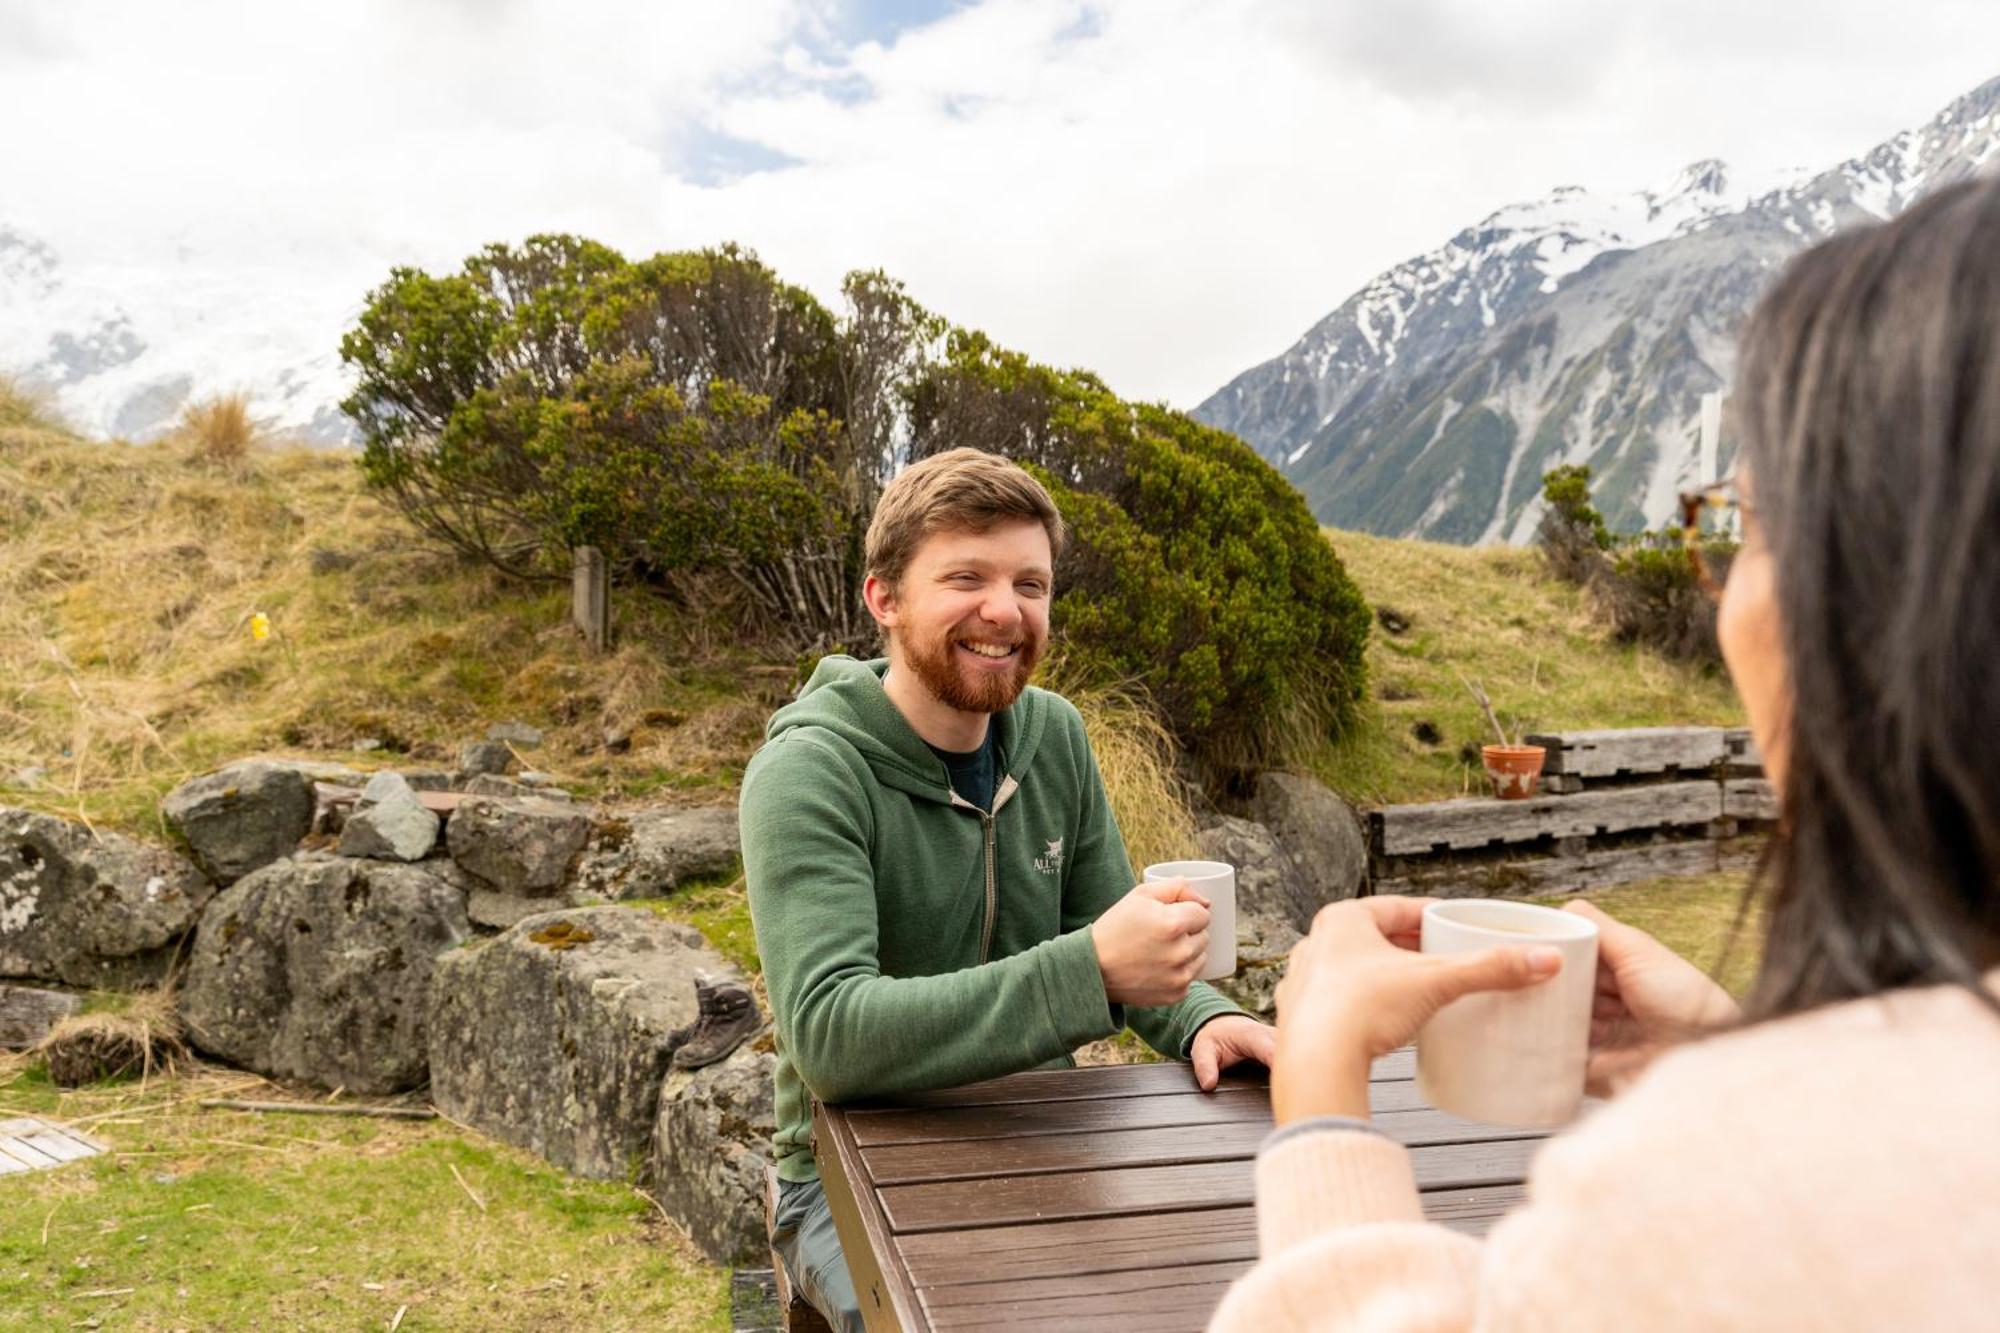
{"type": "Point", "coordinates": [1868, 398]}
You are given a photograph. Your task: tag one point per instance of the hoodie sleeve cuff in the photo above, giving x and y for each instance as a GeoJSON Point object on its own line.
{"type": "Point", "coordinates": [1073, 991]}
{"type": "Point", "coordinates": [1310, 1183]}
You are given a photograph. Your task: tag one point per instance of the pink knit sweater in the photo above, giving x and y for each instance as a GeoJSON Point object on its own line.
{"type": "Point", "coordinates": [1836, 1170]}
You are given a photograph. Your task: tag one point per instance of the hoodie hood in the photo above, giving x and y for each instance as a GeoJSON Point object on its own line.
{"type": "Point", "coordinates": [845, 697]}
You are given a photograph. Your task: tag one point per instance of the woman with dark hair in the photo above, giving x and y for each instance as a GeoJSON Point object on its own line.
{"type": "Point", "coordinates": [1826, 1158]}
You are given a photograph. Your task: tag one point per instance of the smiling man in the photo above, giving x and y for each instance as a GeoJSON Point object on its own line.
{"type": "Point", "coordinates": [938, 883]}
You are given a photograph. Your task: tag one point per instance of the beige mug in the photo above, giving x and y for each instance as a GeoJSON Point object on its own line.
{"type": "Point", "coordinates": [1215, 881]}
{"type": "Point", "coordinates": [1510, 1057]}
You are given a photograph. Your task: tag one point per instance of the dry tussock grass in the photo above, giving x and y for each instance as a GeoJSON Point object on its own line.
{"type": "Point", "coordinates": [143, 1040]}
{"type": "Point", "coordinates": [127, 585]}
{"type": "Point", "coordinates": [219, 430]}
{"type": "Point", "coordinates": [1135, 755]}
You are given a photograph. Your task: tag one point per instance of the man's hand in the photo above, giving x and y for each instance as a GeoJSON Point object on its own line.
{"type": "Point", "coordinates": [1152, 943]}
{"type": "Point", "coordinates": [1227, 1040]}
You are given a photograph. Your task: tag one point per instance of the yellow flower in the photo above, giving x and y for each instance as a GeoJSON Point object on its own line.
{"type": "Point", "coordinates": [260, 627]}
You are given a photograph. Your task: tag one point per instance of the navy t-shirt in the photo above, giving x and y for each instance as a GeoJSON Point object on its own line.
{"type": "Point", "coordinates": [974, 775]}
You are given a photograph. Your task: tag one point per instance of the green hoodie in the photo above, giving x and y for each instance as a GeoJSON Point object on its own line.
{"type": "Point", "coordinates": [911, 940]}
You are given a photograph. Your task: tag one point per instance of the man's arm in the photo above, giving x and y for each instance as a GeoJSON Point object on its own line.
{"type": "Point", "coordinates": [850, 1031]}
{"type": "Point", "coordinates": [1099, 875]}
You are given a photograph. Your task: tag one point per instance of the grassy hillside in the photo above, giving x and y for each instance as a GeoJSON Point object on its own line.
{"type": "Point", "coordinates": [129, 576]}
{"type": "Point", "coordinates": [1495, 617]}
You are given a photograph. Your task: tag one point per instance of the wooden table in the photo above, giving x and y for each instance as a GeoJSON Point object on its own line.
{"type": "Point", "coordinates": [1113, 1197]}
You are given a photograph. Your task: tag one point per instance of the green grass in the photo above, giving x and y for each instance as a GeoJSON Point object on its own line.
{"type": "Point", "coordinates": [720, 910]}
{"type": "Point", "coordinates": [214, 1219]}
{"type": "Point", "coordinates": [1496, 617]}
{"type": "Point", "coordinates": [1695, 917]}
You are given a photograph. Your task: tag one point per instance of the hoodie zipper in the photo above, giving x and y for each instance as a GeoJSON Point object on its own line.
{"type": "Point", "coordinates": [987, 821]}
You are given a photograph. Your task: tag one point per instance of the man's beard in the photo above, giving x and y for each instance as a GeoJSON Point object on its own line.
{"type": "Point", "coordinates": [937, 666]}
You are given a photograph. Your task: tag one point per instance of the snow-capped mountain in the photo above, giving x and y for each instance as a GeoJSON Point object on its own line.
{"type": "Point", "coordinates": [1574, 328]}
{"type": "Point", "coordinates": [123, 348]}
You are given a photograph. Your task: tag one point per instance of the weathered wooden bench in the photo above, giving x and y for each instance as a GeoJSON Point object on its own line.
{"type": "Point", "coordinates": [1620, 806]}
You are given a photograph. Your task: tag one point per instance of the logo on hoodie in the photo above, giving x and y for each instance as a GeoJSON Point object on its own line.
{"type": "Point", "coordinates": [1050, 863]}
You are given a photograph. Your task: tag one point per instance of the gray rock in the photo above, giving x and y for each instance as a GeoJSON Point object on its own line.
{"type": "Point", "coordinates": [319, 770]}
{"type": "Point", "coordinates": [520, 847]}
{"type": "Point", "coordinates": [27, 1014]}
{"type": "Point", "coordinates": [1321, 835]}
{"type": "Point", "coordinates": [710, 1146]}
{"type": "Point", "coordinates": [485, 757]}
{"type": "Point", "coordinates": [367, 744]}
{"type": "Point", "coordinates": [557, 1035]}
{"type": "Point", "coordinates": [90, 909]}
{"type": "Point", "coordinates": [381, 785]}
{"type": "Point", "coordinates": [427, 779]}
{"type": "Point", "coordinates": [241, 817]}
{"type": "Point", "coordinates": [494, 910]}
{"type": "Point", "coordinates": [647, 853]}
{"type": "Point", "coordinates": [318, 971]}
{"type": "Point", "coordinates": [517, 734]}
{"type": "Point", "coordinates": [1266, 898]}
{"type": "Point", "coordinates": [492, 784]}
{"type": "Point", "coordinates": [395, 828]}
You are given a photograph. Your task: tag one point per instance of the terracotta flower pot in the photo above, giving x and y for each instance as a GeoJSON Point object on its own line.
{"type": "Point", "coordinates": [1515, 769]}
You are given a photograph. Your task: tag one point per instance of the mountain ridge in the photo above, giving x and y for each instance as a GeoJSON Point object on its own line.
{"type": "Point", "coordinates": [1573, 328]}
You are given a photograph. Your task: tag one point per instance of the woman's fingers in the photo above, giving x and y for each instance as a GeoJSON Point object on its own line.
{"type": "Point", "coordinates": [1496, 969]}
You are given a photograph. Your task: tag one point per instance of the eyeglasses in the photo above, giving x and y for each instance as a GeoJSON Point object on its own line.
{"type": "Point", "coordinates": [1726, 499]}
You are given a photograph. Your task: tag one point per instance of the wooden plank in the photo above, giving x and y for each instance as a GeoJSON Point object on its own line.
{"type": "Point", "coordinates": [887, 1298]}
{"type": "Point", "coordinates": [965, 1123]}
{"type": "Point", "coordinates": [1154, 1299]}
{"type": "Point", "coordinates": [1157, 1078]}
{"type": "Point", "coordinates": [11, 1166]}
{"type": "Point", "coordinates": [59, 1145]}
{"type": "Point", "coordinates": [1154, 1240]}
{"type": "Point", "coordinates": [1545, 876]}
{"type": "Point", "coordinates": [1469, 823]}
{"type": "Point", "coordinates": [1630, 750]}
{"type": "Point", "coordinates": [1749, 798]}
{"type": "Point", "coordinates": [27, 1153]}
{"type": "Point", "coordinates": [1740, 749]}
{"type": "Point", "coordinates": [906, 1163]}
{"type": "Point", "coordinates": [1003, 1200]}
{"type": "Point", "coordinates": [1166, 1077]}
{"type": "Point", "coordinates": [590, 596]}
{"type": "Point", "coordinates": [28, 1012]}
{"type": "Point", "coordinates": [1090, 1245]}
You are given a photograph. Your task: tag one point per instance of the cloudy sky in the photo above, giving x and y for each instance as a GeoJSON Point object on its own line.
{"type": "Point", "coordinates": [1164, 190]}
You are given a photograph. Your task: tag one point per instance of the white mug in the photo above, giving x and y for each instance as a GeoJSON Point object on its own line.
{"type": "Point", "coordinates": [1215, 881]}
{"type": "Point", "coordinates": [1510, 1057]}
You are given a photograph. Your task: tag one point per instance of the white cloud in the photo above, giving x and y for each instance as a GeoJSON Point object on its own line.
{"type": "Point", "coordinates": [1164, 190]}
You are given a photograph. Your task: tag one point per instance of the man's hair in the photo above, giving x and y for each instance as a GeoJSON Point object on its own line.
{"type": "Point", "coordinates": [960, 490]}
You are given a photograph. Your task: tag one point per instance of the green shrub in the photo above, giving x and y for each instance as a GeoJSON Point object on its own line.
{"type": "Point", "coordinates": [1572, 534]}
{"type": "Point", "coordinates": [1197, 573]}
{"type": "Point", "coordinates": [1644, 585]}
{"type": "Point", "coordinates": [690, 415]}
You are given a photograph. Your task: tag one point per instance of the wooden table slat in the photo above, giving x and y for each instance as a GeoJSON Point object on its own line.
{"type": "Point", "coordinates": [1089, 1245]}
{"type": "Point", "coordinates": [1024, 1119]}
{"type": "Point", "coordinates": [904, 1163]}
{"type": "Point", "coordinates": [1096, 1081]}
{"type": "Point", "coordinates": [1007, 1199]}
{"type": "Point", "coordinates": [1152, 1299]}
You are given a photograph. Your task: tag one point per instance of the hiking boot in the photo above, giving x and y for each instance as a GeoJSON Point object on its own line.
{"type": "Point", "coordinates": [725, 1017]}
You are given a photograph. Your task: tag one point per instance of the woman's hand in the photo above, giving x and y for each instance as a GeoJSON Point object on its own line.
{"type": "Point", "coordinates": [1356, 988]}
{"type": "Point", "coordinates": [1648, 998]}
